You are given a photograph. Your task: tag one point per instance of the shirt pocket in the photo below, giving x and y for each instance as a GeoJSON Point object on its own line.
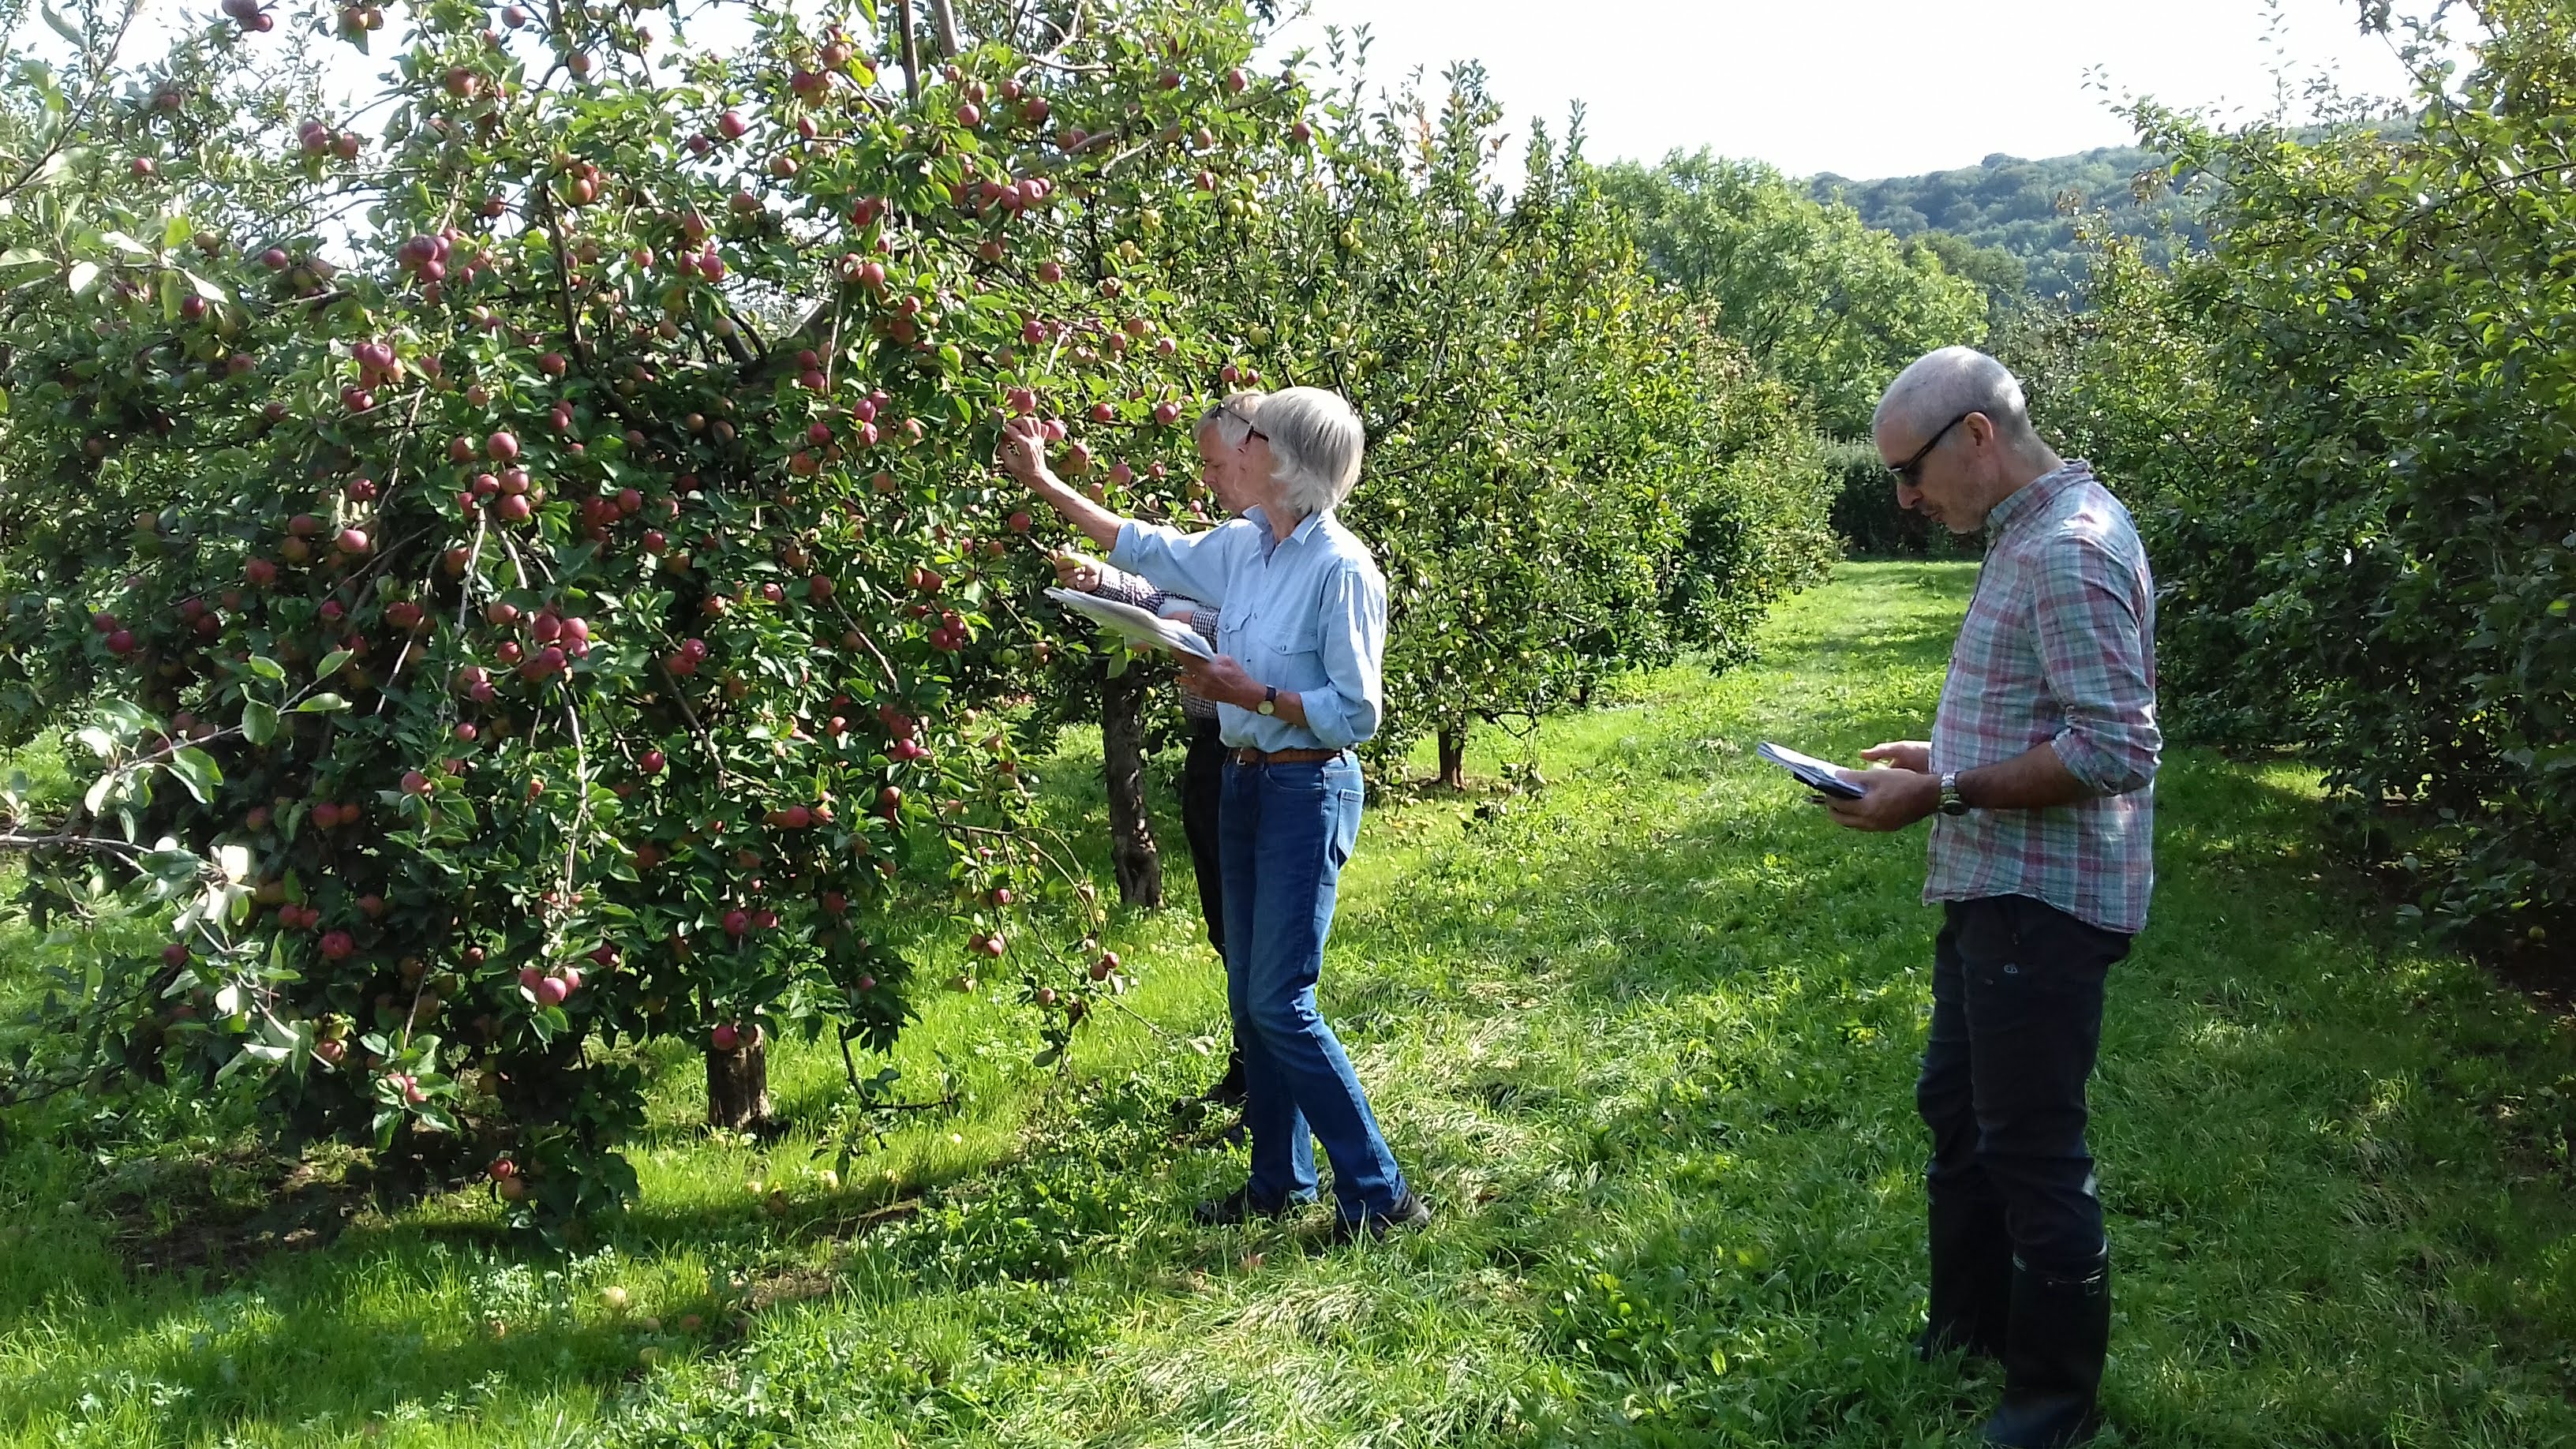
{"type": "Point", "coordinates": [1296, 650]}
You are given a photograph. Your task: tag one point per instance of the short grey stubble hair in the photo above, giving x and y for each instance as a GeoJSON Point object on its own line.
{"type": "Point", "coordinates": [1939, 386]}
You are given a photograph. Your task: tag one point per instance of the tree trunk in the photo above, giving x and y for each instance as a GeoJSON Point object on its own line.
{"type": "Point", "coordinates": [738, 1085]}
{"type": "Point", "coordinates": [1453, 756]}
{"type": "Point", "coordinates": [1132, 853]}
{"type": "Point", "coordinates": [911, 52]}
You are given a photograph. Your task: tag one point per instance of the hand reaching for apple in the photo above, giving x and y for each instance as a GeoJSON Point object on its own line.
{"type": "Point", "coordinates": [1075, 571]}
{"type": "Point", "coordinates": [1024, 451]}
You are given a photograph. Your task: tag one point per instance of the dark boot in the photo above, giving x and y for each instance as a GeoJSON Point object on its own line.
{"type": "Point", "coordinates": [1228, 1091]}
{"type": "Point", "coordinates": [1972, 1275]}
{"type": "Point", "coordinates": [2061, 1329]}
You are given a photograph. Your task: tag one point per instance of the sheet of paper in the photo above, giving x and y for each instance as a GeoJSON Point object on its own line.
{"type": "Point", "coordinates": [1815, 774]}
{"type": "Point", "coordinates": [1129, 622]}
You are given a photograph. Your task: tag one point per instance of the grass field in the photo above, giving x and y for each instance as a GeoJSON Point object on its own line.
{"type": "Point", "coordinates": [1645, 1037]}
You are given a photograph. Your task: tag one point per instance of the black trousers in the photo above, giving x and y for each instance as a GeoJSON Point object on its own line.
{"type": "Point", "coordinates": [2016, 1021]}
{"type": "Point", "coordinates": [1202, 782]}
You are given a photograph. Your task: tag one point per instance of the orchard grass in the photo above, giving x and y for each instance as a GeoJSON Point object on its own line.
{"type": "Point", "coordinates": [1644, 1035]}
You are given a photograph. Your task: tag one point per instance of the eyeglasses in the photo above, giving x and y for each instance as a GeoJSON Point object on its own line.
{"type": "Point", "coordinates": [1905, 472]}
{"type": "Point", "coordinates": [1226, 410]}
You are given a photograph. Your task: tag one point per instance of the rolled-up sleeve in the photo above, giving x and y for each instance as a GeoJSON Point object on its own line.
{"type": "Point", "coordinates": [1353, 635]}
{"type": "Point", "coordinates": [1127, 588]}
{"type": "Point", "coordinates": [2091, 618]}
{"type": "Point", "coordinates": [1180, 563]}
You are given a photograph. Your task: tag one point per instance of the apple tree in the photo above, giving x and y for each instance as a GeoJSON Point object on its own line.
{"type": "Point", "coordinates": [530, 568]}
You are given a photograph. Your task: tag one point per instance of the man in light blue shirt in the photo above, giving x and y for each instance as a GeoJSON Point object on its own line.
{"type": "Point", "coordinates": [1301, 639]}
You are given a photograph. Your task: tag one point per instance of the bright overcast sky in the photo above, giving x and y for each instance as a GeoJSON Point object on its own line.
{"type": "Point", "coordinates": [1865, 88]}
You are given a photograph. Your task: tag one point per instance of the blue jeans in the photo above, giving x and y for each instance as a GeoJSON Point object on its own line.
{"type": "Point", "coordinates": [1283, 833]}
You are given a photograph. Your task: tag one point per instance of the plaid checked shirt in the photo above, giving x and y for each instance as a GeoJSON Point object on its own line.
{"type": "Point", "coordinates": [2058, 648]}
{"type": "Point", "coordinates": [1128, 588]}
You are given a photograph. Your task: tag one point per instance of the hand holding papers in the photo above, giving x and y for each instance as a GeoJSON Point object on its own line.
{"type": "Point", "coordinates": [1134, 624]}
{"type": "Point", "coordinates": [1817, 775]}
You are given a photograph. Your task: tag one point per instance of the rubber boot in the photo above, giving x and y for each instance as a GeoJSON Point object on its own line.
{"type": "Point", "coordinates": [2053, 1352]}
{"type": "Point", "coordinates": [1228, 1091]}
{"type": "Point", "coordinates": [1972, 1278]}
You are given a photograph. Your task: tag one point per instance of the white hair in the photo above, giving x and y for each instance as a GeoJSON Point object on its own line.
{"type": "Point", "coordinates": [1315, 441]}
{"type": "Point", "coordinates": [1940, 386]}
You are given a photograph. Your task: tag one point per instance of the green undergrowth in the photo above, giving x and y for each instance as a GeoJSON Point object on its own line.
{"type": "Point", "coordinates": [1644, 1034]}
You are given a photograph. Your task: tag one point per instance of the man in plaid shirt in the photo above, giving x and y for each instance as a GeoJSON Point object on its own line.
{"type": "Point", "coordinates": [1202, 769]}
{"type": "Point", "coordinates": [2038, 781]}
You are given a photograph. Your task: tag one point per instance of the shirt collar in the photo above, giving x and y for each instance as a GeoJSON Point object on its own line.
{"type": "Point", "coordinates": [2037, 491]}
{"type": "Point", "coordinates": [1295, 535]}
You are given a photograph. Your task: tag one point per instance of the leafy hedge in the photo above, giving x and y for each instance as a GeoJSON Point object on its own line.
{"type": "Point", "coordinates": [2349, 430]}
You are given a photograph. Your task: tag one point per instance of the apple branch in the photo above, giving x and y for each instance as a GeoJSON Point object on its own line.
{"type": "Point", "coordinates": [96, 58]}
{"type": "Point", "coordinates": [696, 729]}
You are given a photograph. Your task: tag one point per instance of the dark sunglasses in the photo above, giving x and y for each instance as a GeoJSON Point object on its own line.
{"type": "Point", "coordinates": [1905, 472]}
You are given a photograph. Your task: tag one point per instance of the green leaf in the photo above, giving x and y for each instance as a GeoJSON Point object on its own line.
{"type": "Point", "coordinates": [267, 668]}
{"type": "Point", "coordinates": [259, 721]}
{"type": "Point", "coordinates": [332, 663]}
{"type": "Point", "coordinates": [174, 230]}
{"type": "Point", "coordinates": [322, 704]}
{"type": "Point", "coordinates": [84, 275]}
{"type": "Point", "coordinates": [197, 770]}
{"type": "Point", "coordinates": [62, 27]}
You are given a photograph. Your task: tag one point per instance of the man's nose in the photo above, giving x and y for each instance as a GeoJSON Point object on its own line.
{"type": "Point", "coordinates": [1907, 495]}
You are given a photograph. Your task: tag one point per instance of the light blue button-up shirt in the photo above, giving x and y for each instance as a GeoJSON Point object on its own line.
{"type": "Point", "coordinates": [1307, 615]}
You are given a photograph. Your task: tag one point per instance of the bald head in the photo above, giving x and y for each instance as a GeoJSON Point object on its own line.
{"type": "Point", "coordinates": [1941, 385]}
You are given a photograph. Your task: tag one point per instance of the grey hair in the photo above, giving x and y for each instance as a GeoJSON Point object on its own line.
{"type": "Point", "coordinates": [1315, 447]}
{"type": "Point", "coordinates": [1939, 386]}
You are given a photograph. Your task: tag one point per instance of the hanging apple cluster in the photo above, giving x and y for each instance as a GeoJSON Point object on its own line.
{"type": "Point", "coordinates": [575, 604]}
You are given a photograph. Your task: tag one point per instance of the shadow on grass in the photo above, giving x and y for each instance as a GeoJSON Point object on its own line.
{"type": "Point", "coordinates": [1647, 1039]}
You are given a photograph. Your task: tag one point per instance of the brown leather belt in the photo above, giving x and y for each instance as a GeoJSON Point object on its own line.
{"type": "Point", "coordinates": [1283, 757]}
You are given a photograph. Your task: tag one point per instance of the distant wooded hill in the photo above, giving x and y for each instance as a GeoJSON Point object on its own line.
{"type": "Point", "coordinates": [2007, 204]}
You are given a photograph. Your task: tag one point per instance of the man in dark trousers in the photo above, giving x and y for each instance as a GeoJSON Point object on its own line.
{"type": "Point", "coordinates": [2037, 780]}
{"type": "Point", "coordinates": [1202, 769]}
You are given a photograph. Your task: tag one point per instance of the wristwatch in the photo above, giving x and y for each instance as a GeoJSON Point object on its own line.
{"type": "Point", "coordinates": [1269, 700]}
{"type": "Point", "coordinates": [1951, 804]}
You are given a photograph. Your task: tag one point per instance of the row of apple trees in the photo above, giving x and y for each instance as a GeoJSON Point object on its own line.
{"type": "Point", "coordinates": [1571, 471]}
{"type": "Point", "coordinates": [2348, 428]}
{"type": "Point", "coordinates": [523, 548]}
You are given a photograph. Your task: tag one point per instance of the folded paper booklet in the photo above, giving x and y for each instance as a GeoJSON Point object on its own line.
{"type": "Point", "coordinates": [1132, 623]}
{"type": "Point", "coordinates": [1817, 775]}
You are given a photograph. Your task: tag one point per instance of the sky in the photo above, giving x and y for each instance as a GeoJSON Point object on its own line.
{"type": "Point", "coordinates": [1862, 88]}
{"type": "Point", "coordinates": [1866, 88]}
